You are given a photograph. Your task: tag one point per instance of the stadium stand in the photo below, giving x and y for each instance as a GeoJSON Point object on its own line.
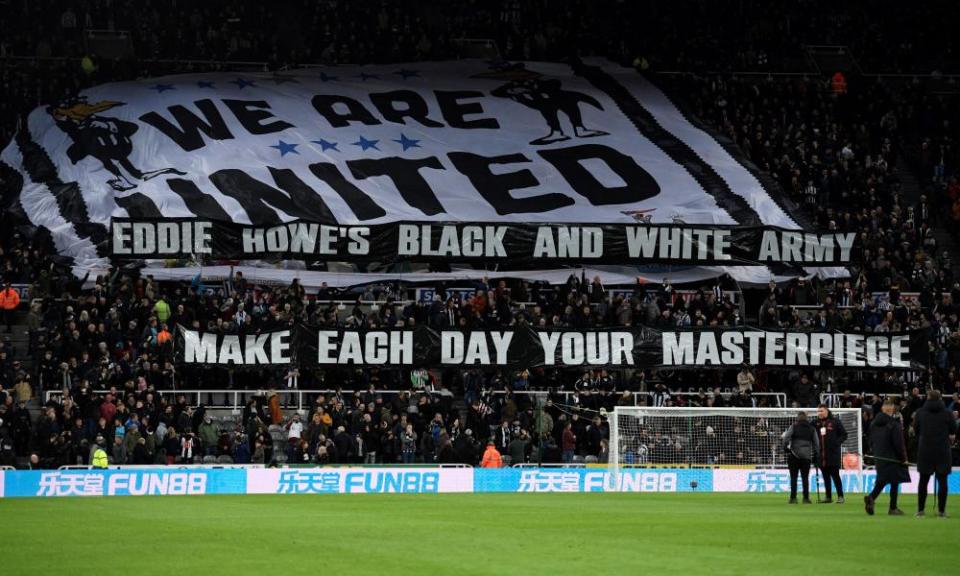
{"type": "Point", "coordinates": [876, 155]}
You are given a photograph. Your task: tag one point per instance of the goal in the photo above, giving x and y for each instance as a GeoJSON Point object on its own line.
{"type": "Point", "coordinates": [723, 438]}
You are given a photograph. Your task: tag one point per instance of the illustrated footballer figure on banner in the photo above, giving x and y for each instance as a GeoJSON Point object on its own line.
{"type": "Point", "coordinates": [106, 139]}
{"type": "Point", "coordinates": [548, 97]}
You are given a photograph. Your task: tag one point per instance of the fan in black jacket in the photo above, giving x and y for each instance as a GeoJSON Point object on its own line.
{"type": "Point", "coordinates": [890, 454]}
{"type": "Point", "coordinates": [802, 446]}
{"type": "Point", "coordinates": [832, 436]}
{"type": "Point", "coordinates": [935, 427]}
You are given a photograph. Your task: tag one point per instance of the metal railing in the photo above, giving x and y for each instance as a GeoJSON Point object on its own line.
{"type": "Point", "coordinates": [832, 399]}
{"type": "Point", "coordinates": [804, 74]}
{"type": "Point", "coordinates": [260, 66]}
{"type": "Point", "coordinates": [779, 397]}
{"type": "Point", "coordinates": [556, 465]}
{"type": "Point", "coordinates": [159, 466]}
{"type": "Point", "coordinates": [246, 466]}
{"type": "Point", "coordinates": [905, 298]}
{"type": "Point", "coordinates": [290, 399]}
{"type": "Point", "coordinates": [293, 399]}
{"type": "Point", "coordinates": [342, 304]}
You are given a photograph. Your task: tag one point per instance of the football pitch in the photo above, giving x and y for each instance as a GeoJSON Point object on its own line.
{"type": "Point", "coordinates": [469, 534]}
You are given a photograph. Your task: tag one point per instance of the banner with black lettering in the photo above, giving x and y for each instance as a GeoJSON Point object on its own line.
{"type": "Point", "coordinates": [431, 142]}
{"type": "Point", "coordinates": [524, 245]}
{"type": "Point", "coordinates": [310, 347]}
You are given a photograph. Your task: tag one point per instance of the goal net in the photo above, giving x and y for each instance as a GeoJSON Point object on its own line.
{"type": "Point", "coordinates": [643, 437]}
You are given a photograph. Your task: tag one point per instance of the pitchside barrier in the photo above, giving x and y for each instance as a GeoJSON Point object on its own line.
{"type": "Point", "coordinates": [300, 400]}
{"type": "Point", "coordinates": [199, 480]}
{"type": "Point", "coordinates": [835, 399]}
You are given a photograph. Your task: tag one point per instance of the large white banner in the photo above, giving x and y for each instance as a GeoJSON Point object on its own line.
{"type": "Point", "coordinates": [463, 141]}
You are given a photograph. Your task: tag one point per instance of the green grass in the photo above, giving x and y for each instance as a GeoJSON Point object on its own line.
{"type": "Point", "coordinates": [530, 534]}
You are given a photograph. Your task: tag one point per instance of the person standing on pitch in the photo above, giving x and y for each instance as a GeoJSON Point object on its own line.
{"type": "Point", "coordinates": [936, 428]}
{"type": "Point", "coordinates": [890, 456]}
{"type": "Point", "coordinates": [832, 436]}
{"type": "Point", "coordinates": [802, 447]}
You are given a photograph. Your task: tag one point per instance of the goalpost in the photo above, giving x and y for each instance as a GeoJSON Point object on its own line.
{"type": "Point", "coordinates": [724, 438]}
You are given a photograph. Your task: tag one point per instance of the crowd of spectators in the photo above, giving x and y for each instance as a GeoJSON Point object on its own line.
{"type": "Point", "coordinates": [838, 151]}
{"type": "Point", "coordinates": [724, 35]}
{"type": "Point", "coordinates": [376, 427]}
{"type": "Point", "coordinates": [835, 153]}
{"type": "Point", "coordinates": [935, 154]}
{"type": "Point", "coordinates": [107, 354]}
{"type": "Point", "coordinates": [165, 36]}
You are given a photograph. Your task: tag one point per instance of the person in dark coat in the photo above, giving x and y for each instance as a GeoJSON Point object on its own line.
{"type": "Point", "coordinates": [140, 454]}
{"type": "Point", "coordinates": [346, 446]}
{"type": "Point", "coordinates": [832, 435]}
{"type": "Point", "coordinates": [935, 428]}
{"type": "Point", "coordinates": [802, 447]}
{"type": "Point", "coordinates": [890, 455]}
{"type": "Point", "coordinates": [446, 453]}
{"type": "Point", "coordinates": [466, 448]}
